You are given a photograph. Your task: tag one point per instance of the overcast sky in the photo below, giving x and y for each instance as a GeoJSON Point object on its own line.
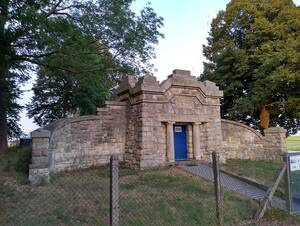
{"type": "Point", "coordinates": [186, 26]}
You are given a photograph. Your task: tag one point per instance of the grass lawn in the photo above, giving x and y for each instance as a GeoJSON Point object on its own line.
{"type": "Point", "coordinates": [165, 196]}
{"type": "Point", "coordinates": [172, 197]}
{"type": "Point", "coordinates": [293, 143]}
{"type": "Point", "coordinates": [260, 171]}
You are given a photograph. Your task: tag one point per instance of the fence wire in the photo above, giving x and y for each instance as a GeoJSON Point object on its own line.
{"type": "Point", "coordinates": [164, 196]}
{"type": "Point", "coordinates": [75, 198]}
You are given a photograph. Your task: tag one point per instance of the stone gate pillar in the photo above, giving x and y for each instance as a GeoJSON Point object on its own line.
{"type": "Point", "coordinates": [275, 142]}
{"type": "Point", "coordinates": [39, 167]}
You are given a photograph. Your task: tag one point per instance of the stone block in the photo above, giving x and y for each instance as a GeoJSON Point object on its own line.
{"type": "Point", "coordinates": [39, 174]}
{"type": "Point", "coordinates": [40, 133]}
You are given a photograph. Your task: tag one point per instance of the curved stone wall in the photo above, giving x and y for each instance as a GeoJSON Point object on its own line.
{"type": "Point", "coordinates": [243, 142]}
{"type": "Point", "coordinates": [87, 140]}
{"type": "Point", "coordinates": [138, 126]}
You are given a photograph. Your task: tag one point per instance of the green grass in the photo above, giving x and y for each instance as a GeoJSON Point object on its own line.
{"type": "Point", "coordinates": [171, 197]}
{"type": "Point", "coordinates": [281, 217]}
{"type": "Point", "coordinates": [165, 196]}
{"type": "Point", "coordinates": [156, 197]}
{"type": "Point", "coordinates": [260, 171]}
{"type": "Point", "coordinates": [14, 164]}
{"type": "Point", "coordinates": [293, 143]}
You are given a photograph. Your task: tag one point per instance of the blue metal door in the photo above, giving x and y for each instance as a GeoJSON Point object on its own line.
{"type": "Point", "coordinates": [180, 144]}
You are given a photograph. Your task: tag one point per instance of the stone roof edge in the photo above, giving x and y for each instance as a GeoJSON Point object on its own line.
{"type": "Point", "coordinates": [179, 78]}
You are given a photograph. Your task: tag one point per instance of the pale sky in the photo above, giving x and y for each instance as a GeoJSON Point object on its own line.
{"type": "Point", "coordinates": [186, 26]}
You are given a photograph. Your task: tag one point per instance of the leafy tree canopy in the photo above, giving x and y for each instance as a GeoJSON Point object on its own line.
{"type": "Point", "coordinates": [59, 92]}
{"type": "Point", "coordinates": [253, 54]}
{"type": "Point", "coordinates": [78, 48]}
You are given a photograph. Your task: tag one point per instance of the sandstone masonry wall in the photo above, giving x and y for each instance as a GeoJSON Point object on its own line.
{"type": "Point", "coordinates": [138, 126]}
{"type": "Point", "coordinates": [39, 168]}
{"type": "Point", "coordinates": [153, 109]}
{"type": "Point", "coordinates": [88, 140]}
{"type": "Point", "coordinates": [243, 142]}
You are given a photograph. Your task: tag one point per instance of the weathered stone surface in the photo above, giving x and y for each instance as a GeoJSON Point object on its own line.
{"type": "Point", "coordinates": [39, 174]}
{"type": "Point", "coordinates": [89, 140]}
{"type": "Point", "coordinates": [242, 142]}
{"type": "Point", "coordinates": [154, 109]}
{"type": "Point", "coordinates": [39, 167]}
{"type": "Point", "coordinates": [137, 125]}
{"type": "Point", "coordinates": [40, 133]}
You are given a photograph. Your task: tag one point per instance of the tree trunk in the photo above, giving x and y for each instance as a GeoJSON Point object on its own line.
{"type": "Point", "coordinates": [264, 117]}
{"type": "Point", "coordinates": [3, 131]}
{"type": "Point", "coordinates": [4, 95]}
{"type": "Point", "coordinates": [4, 100]}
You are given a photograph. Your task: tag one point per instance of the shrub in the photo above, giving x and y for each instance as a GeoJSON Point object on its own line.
{"type": "Point", "coordinates": [23, 160]}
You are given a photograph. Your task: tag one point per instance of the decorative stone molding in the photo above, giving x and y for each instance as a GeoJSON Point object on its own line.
{"type": "Point", "coordinates": [137, 124]}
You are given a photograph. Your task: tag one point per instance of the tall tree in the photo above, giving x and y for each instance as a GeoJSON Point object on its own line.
{"type": "Point", "coordinates": [253, 54]}
{"type": "Point", "coordinates": [58, 93]}
{"type": "Point", "coordinates": [35, 34]}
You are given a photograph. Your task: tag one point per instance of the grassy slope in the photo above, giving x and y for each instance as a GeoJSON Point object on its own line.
{"type": "Point", "coordinates": [154, 197]}
{"type": "Point", "coordinates": [293, 143]}
{"type": "Point", "coordinates": [262, 172]}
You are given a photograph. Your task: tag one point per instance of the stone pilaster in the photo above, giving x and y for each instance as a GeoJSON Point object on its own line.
{"type": "Point", "coordinates": [39, 169]}
{"type": "Point", "coordinates": [170, 142]}
{"type": "Point", "coordinates": [190, 141]}
{"type": "Point", "coordinates": [196, 141]}
{"type": "Point", "coordinates": [275, 142]}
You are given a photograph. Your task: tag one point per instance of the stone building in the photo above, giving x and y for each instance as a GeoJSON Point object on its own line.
{"type": "Point", "coordinates": [151, 124]}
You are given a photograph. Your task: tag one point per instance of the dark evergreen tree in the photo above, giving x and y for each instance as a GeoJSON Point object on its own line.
{"type": "Point", "coordinates": [253, 54]}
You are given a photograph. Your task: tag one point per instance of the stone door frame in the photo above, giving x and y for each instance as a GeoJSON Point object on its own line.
{"type": "Point", "coordinates": [184, 127]}
{"type": "Point", "coordinates": [193, 140]}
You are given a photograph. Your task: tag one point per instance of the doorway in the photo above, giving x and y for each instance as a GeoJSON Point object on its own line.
{"type": "Point", "coordinates": [180, 142]}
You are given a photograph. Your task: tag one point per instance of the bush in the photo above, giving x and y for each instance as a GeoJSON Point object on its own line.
{"type": "Point", "coordinates": [23, 160]}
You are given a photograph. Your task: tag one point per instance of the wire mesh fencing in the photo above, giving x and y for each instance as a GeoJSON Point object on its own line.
{"type": "Point", "coordinates": [165, 196]}
{"type": "Point", "coordinates": [113, 195]}
{"type": "Point", "coordinates": [74, 198]}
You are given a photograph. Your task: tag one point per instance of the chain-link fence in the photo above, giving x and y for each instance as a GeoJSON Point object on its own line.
{"type": "Point", "coordinates": [75, 198]}
{"type": "Point", "coordinates": [112, 195]}
{"type": "Point", "coordinates": [165, 196]}
{"type": "Point", "coordinates": [180, 195]}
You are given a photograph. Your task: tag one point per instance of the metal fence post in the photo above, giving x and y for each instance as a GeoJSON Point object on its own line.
{"type": "Point", "coordinates": [287, 184]}
{"type": "Point", "coordinates": [114, 191]}
{"type": "Point", "coordinates": [217, 183]}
